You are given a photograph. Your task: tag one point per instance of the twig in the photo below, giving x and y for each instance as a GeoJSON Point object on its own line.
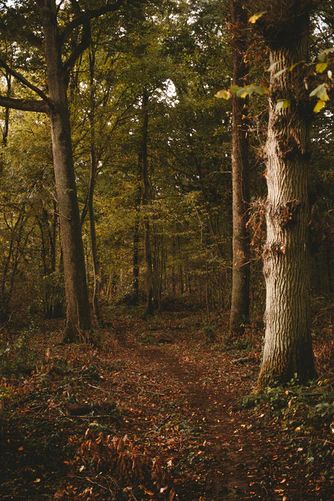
{"type": "Point", "coordinates": [98, 388]}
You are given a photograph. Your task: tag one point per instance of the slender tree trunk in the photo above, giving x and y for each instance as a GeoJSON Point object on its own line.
{"type": "Point", "coordinates": [78, 311]}
{"type": "Point", "coordinates": [146, 201]}
{"type": "Point", "coordinates": [10, 265]}
{"type": "Point", "coordinates": [5, 129]}
{"type": "Point", "coordinates": [91, 189]}
{"type": "Point", "coordinates": [288, 348]}
{"type": "Point", "coordinates": [53, 238]}
{"type": "Point", "coordinates": [136, 249]}
{"type": "Point", "coordinates": [239, 314]}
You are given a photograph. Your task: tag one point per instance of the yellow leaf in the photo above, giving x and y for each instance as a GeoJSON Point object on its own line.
{"type": "Point", "coordinates": [321, 67]}
{"type": "Point", "coordinates": [255, 17]}
{"type": "Point", "coordinates": [223, 94]}
{"type": "Point", "coordinates": [319, 106]}
{"type": "Point", "coordinates": [282, 104]}
{"type": "Point", "coordinates": [243, 94]}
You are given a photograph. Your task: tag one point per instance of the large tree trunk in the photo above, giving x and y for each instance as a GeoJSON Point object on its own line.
{"type": "Point", "coordinates": [78, 311]}
{"type": "Point", "coordinates": [288, 348]}
{"type": "Point", "coordinates": [239, 314]}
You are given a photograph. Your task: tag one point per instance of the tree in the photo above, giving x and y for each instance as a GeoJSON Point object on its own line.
{"type": "Point", "coordinates": [288, 347]}
{"type": "Point", "coordinates": [146, 201]}
{"type": "Point", "coordinates": [239, 314]}
{"type": "Point", "coordinates": [55, 104]}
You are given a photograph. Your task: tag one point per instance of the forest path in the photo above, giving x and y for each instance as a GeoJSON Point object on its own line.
{"type": "Point", "coordinates": [178, 399]}
{"type": "Point", "coordinates": [209, 393]}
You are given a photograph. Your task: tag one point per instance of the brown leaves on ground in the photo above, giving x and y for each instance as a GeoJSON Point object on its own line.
{"type": "Point", "coordinates": [141, 419]}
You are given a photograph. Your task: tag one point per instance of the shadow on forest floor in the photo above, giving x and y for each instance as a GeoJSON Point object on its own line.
{"type": "Point", "coordinates": [157, 412]}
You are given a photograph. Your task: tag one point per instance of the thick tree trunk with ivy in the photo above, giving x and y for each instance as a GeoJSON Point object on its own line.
{"type": "Point", "coordinates": [288, 348]}
{"type": "Point", "coordinates": [78, 312]}
{"type": "Point", "coordinates": [239, 314]}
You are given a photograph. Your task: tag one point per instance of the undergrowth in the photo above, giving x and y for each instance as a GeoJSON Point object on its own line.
{"type": "Point", "coordinates": [16, 357]}
{"type": "Point", "coordinates": [298, 406]}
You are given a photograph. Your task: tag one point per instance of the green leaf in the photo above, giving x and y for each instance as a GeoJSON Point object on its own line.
{"type": "Point", "coordinates": [243, 93]}
{"type": "Point", "coordinates": [259, 89]}
{"type": "Point", "coordinates": [293, 66]}
{"type": "Point", "coordinates": [223, 94]}
{"type": "Point", "coordinates": [235, 88]}
{"type": "Point", "coordinates": [282, 104]}
{"type": "Point", "coordinates": [251, 89]}
{"type": "Point", "coordinates": [319, 106]}
{"type": "Point", "coordinates": [321, 67]}
{"type": "Point", "coordinates": [322, 56]}
{"type": "Point", "coordinates": [255, 17]}
{"type": "Point", "coordinates": [320, 92]}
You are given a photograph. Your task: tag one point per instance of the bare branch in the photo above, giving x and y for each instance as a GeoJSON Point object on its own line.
{"type": "Point", "coordinates": [87, 15]}
{"type": "Point", "coordinates": [24, 81]}
{"type": "Point", "coordinates": [24, 104]}
{"type": "Point", "coordinates": [79, 48]}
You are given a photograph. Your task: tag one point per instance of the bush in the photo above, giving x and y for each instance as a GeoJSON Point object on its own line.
{"type": "Point", "coordinates": [309, 406]}
{"type": "Point", "coordinates": [16, 357]}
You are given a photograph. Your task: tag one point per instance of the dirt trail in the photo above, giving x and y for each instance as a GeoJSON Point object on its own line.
{"type": "Point", "coordinates": [228, 441]}
{"type": "Point", "coordinates": [174, 395]}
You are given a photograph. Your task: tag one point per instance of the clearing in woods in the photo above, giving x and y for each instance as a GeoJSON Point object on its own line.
{"type": "Point", "coordinates": [156, 412]}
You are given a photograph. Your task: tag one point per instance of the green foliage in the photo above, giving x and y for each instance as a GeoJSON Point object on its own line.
{"type": "Point", "coordinates": [282, 104]}
{"type": "Point", "coordinates": [209, 332]}
{"type": "Point", "coordinates": [243, 343]}
{"type": "Point", "coordinates": [323, 55]}
{"type": "Point", "coordinates": [242, 92]}
{"type": "Point", "coordinates": [297, 406]}
{"type": "Point", "coordinates": [16, 357]}
{"type": "Point", "coordinates": [321, 92]}
{"type": "Point", "coordinates": [321, 67]}
{"type": "Point", "coordinates": [5, 393]}
{"type": "Point", "coordinates": [91, 372]}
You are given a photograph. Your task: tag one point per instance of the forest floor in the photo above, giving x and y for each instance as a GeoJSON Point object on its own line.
{"type": "Point", "coordinates": [159, 411]}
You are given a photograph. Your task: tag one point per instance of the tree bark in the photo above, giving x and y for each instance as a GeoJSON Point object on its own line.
{"type": "Point", "coordinates": [91, 189]}
{"type": "Point", "coordinates": [78, 312]}
{"type": "Point", "coordinates": [239, 314]}
{"type": "Point", "coordinates": [288, 347]}
{"type": "Point", "coordinates": [5, 129]}
{"type": "Point", "coordinates": [146, 200]}
{"type": "Point", "coordinates": [135, 256]}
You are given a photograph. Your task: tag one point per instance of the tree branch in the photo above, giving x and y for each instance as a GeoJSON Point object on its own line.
{"type": "Point", "coordinates": [24, 81]}
{"type": "Point", "coordinates": [88, 15]}
{"type": "Point", "coordinates": [79, 48]}
{"type": "Point", "coordinates": [23, 35]}
{"type": "Point", "coordinates": [24, 104]}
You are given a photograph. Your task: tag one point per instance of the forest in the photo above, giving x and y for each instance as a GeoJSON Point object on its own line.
{"type": "Point", "coordinates": [167, 250]}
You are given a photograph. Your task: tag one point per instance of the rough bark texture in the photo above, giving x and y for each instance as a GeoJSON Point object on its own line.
{"type": "Point", "coordinates": [239, 314]}
{"type": "Point", "coordinates": [288, 348]}
{"type": "Point", "coordinates": [78, 312]}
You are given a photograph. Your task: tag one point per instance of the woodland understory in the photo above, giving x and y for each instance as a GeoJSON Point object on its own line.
{"type": "Point", "coordinates": [159, 411]}
{"type": "Point", "coordinates": [166, 250]}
